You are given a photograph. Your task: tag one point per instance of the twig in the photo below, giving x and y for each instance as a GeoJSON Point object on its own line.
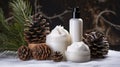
{"type": "Point", "coordinates": [8, 19]}
{"type": "Point", "coordinates": [115, 26]}
{"type": "Point", "coordinates": [107, 31]}
{"type": "Point", "coordinates": [101, 13]}
{"type": "Point", "coordinates": [100, 16]}
{"type": "Point", "coordinates": [48, 17]}
{"type": "Point", "coordinates": [54, 16]}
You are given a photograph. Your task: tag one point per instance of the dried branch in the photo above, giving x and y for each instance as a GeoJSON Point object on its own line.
{"type": "Point", "coordinates": [8, 53]}
{"type": "Point", "coordinates": [8, 19]}
{"type": "Point", "coordinates": [48, 17]}
{"type": "Point", "coordinates": [100, 16]}
{"type": "Point", "coordinates": [115, 26]}
{"type": "Point", "coordinates": [107, 31]}
{"type": "Point", "coordinates": [54, 16]}
{"type": "Point", "coordinates": [102, 12]}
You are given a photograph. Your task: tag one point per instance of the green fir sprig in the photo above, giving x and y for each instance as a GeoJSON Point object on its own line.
{"type": "Point", "coordinates": [11, 35]}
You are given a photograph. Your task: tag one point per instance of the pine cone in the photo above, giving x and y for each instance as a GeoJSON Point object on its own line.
{"type": "Point", "coordinates": [24, 53]}
{"type": "Point", "coordinates": [41, 52]}
{"type": "Point", "coordinates": [37, 31]}
{"type": "Point", "coordinates": [57, 56]}
{"type": "Point", "coordinates": [97, 43]}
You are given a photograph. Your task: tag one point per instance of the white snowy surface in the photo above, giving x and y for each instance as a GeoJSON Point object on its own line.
{"type": "Point", "coordinates": [10, 60]}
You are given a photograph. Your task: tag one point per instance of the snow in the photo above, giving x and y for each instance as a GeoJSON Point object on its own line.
{"type": "Point", "coordinates": [9, 59]}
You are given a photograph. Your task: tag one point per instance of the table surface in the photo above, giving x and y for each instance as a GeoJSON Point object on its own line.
{"type": "Point", "coordinates": [9, 59]}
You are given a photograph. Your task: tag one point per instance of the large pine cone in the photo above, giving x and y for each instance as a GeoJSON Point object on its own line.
{"type": "Point", "coordinates": [24, 53]}
{"type": "Point", "coordinates": [41, 52]}
{"type": "Point", "coordinates": [37, 31]}
{"type": "Point", "coordinates": [57, 56]}
{"type": "Point", "coordinates": [97, 43]}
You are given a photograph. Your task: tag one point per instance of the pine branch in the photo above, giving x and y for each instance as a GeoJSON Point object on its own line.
{"type": "Point", "coordinates": [7, 37]}
{"type": "Point", "coordinates": [11, 36]}
{"type": "Point", "coordinates": [2, 20]}
{"type": "Point", "coordinates": [21, 11]}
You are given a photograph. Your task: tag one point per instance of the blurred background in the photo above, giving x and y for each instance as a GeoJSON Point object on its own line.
{"type": "Point", "coordinates": [102, 15]}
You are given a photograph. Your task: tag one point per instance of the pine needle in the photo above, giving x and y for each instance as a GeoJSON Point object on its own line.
{"type": "Point", "coordinates": [11, 36]}
{"type": "Point", "coordinates": [21, 11]}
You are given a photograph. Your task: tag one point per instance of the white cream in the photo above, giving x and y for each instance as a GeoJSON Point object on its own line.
{"type": "Point", "coordinates": [78, 52]}
{"type": "Point", "coordinates": [58, 39]}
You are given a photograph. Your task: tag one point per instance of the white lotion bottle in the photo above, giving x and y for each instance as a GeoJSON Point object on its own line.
{"type": "Point", "coordinates": [76, 26]}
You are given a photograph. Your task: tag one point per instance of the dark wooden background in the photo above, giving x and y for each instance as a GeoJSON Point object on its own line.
{"type": "Point", "coordinates": [58, 12]}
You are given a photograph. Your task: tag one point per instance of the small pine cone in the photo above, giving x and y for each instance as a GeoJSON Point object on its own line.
{"type": "Point", "coordinates": [57, 56]}
{"type": "Point", "coordinates": [97, 43]}
{"type": "Point", "coordinates": [24, 53]}
{"type": "Point", "coordinates": [41, 52]}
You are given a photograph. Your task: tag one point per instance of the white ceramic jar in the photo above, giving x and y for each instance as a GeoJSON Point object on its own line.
{"type": "Point", "coordinates": [78, 52]}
